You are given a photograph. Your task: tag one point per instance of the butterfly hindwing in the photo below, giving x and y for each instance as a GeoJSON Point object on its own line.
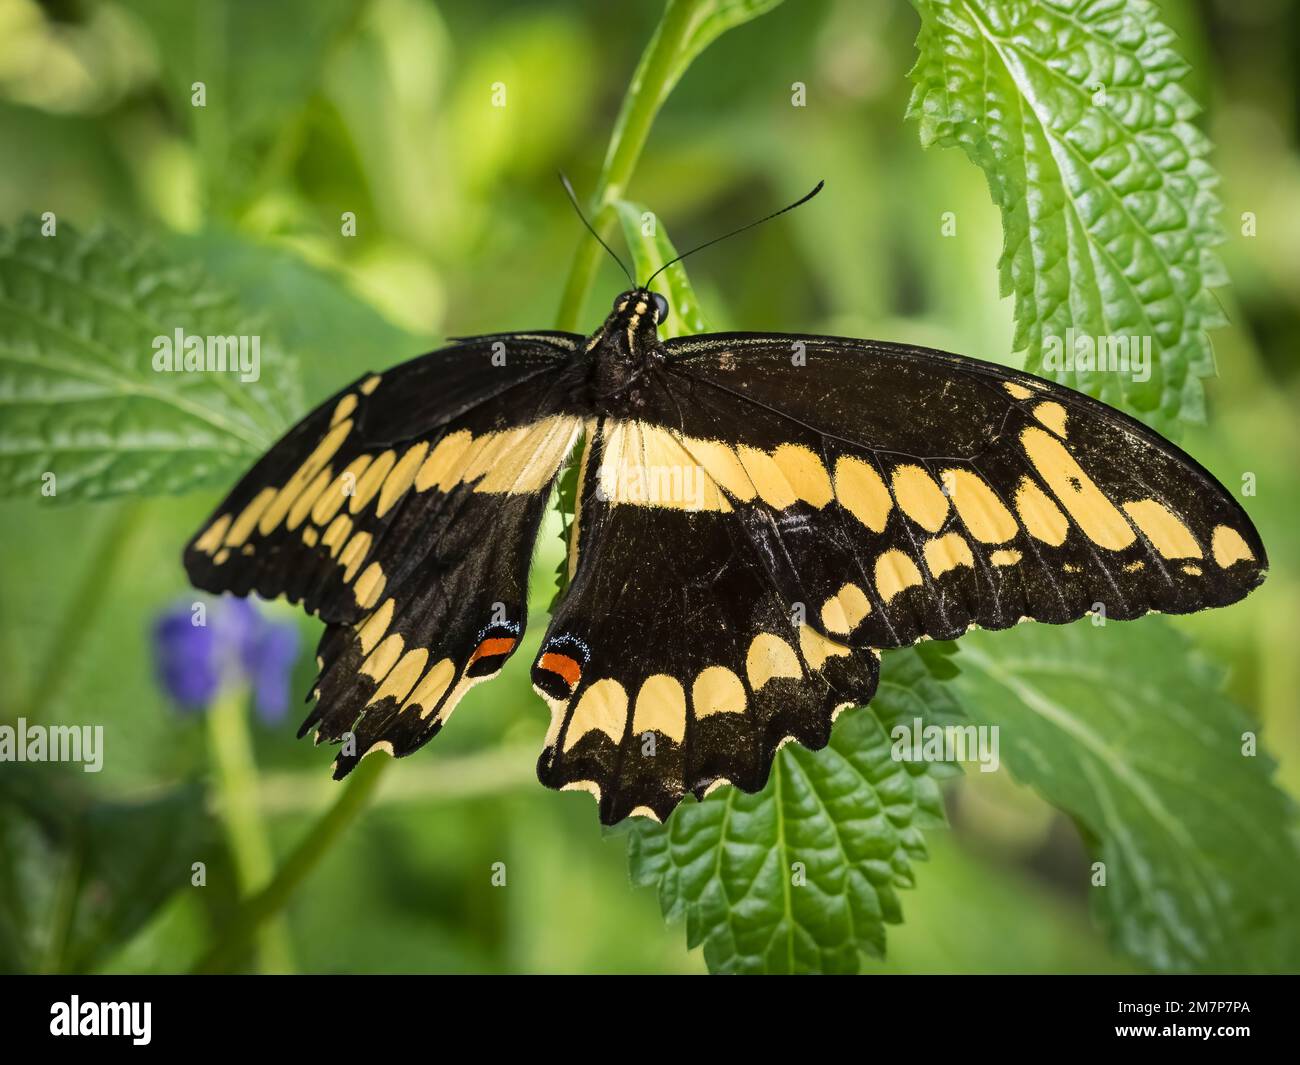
{"type": "Point", "coordinates": [403, 512]}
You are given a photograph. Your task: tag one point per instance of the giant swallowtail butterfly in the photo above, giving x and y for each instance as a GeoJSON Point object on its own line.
{"type": "Point", "coordinates": [758, 516]}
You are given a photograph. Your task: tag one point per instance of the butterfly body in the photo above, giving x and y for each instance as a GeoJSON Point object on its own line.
{"type": "Point", "coordinates": [757, 517]}
{"type": "Point", "coordinates": [624, 355]}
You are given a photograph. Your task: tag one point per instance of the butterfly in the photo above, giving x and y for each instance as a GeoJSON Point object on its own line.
{"type": "Point", "coordinates": [758, 516]}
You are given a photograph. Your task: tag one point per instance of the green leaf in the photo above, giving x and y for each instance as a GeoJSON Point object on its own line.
{"type": "Point", "coordinates": [707, 20]}
{"type": "Point", "coordinates": [1126, 728]}
{"type": "Point", "coordinates": [335, 335]}
{"type": "Point", "coordinates": [83, 875]}
{"type": "Point", "coordinates": [803, 876]}
{"type": "Point", "coordinates": [79, 316]}
{"type": "Point", "coordinates": [651, 248]}
{"type": "Point", "coordinates": [1074, 111]}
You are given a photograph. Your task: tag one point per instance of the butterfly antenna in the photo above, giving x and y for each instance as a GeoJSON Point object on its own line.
{"type": "Point", "coordinates": [709, 243]}
{"type": "Point", "coordinates": [573, 199]}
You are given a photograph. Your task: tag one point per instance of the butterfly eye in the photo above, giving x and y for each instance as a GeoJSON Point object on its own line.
{"type": "Point", "coordinates": [661, 307]}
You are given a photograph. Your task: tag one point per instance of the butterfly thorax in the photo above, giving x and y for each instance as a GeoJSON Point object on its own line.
{"type": "Point", "coordinates": [624, 352]}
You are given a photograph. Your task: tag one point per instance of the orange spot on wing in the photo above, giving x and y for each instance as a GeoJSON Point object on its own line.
{"type": "Point", "coordinates": [490, 648]}
{"type": "Point", "coordinates": [562, 665]}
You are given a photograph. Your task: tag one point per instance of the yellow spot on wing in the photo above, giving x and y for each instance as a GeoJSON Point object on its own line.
{"type": "Point", "coordinates": [344, 409]}
{"type": "Point", "coordinates": [723, 466]}
{"type": "Point", "coordinates": [1228, 547]}
{"type": "Point", "coordinates": [402, 677]}
{"type": "Point", "coordinates": [1042, 518]}
{"type": "Point", "coordinates": [530, 456]}
{"type": "Point", "coordinates": [1052, 415]}
{"type": "Point", "coordinates": [770, 657]}
{"type": "Point", "coordinates": [383, 657]}
{"type": "Point", "coordinates": [603, 708]}
{"type": "Point", "coordinates": [307, 499]}
{"type": "Point", "coordinates": [1096, 515]}
{"type": "Point", "coordinates": [644, 811]}
{"type": "Point", "coordinates": [370, 384]}
{"type": "Point", "coordinates": [661, 707]}
{"type": "Point", "coordinates": [815, 648]}
{"type": "Point", "coordinates": [1017, 391]}
{"type": "Point", "coordinates": [400, 479]}
{"type": "Point", "coordinates": [861, 491]}
{"type": "Point", "coordinates": [370, 586]}
{"type": "Point", "coordinates": [302, 477]}
{"type": "Point", "coordinates": [767, 477]}
{"type": "Point", "coordinates": [369, 482]}
{"type": "Point", "coordinates": [244, 524]}
{"type": "Point", "coordinates": [842, 612]}
{"type": "Point", "coordinates": [919, 497]}
{"type": "Point", "coordinates": [375, 626]}
{"type": "Point", "coordinates": [329, 503]}
{"type": "Point", "coordinates": [805, 473]}
{"type": "Point", "coordinates": [431, 688]}
{"type": "Point", "coordinates": [443, 466]}
{"type": "Point", "coordinates": [354, 554]}
{"type": "Point", "coordinates": [717, 690]}
{"type": "Point", "coordinates": [895, 571]}
{"type": "Point", "coordinates": [1006, 557]}
{"type": "Point", "coordinates": [946, 552]}
{"type": "Point", "coordinates": [211, 538]}
{"type": "Point", "coordinates": [1159, 524]}
{"type": "Point", "coordinates": [337, 533]}
{"type": "Point", "coordinates": [979, 508]}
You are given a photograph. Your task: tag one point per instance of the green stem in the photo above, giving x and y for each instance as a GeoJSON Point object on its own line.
{"type": "Point", "coordinates": [82, 611]}
{"type": "Point", "coordinates": [231, 747]}
{"type": "Point", "coordinates": [64, 908]}
{"type": "Point", "coordinates": [660, 67]}
{"type": "Point", "coordinates": [305, 857]}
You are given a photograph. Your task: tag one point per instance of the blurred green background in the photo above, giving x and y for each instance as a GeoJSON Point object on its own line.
{"type": "Point", "coordinates": [383, 108]}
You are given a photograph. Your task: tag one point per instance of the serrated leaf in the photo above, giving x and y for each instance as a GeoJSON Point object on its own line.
{"type": "Point", "coordinates": [1126, 728]}
{"type": "Point", "coordinates": [79, 315]}
{"type": "Point", "coordinates": [804, 875]}
{"type": "Point", "coordinates": [1074, 111]}
{"type": "Point", "coordinates": [651, 249]}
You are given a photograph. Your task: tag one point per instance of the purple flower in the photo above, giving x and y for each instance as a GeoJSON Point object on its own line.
{"type": "Point", "coordinates": [227, 641]}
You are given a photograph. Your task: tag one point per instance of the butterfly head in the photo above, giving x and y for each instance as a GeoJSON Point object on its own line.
{"type": "Point", "coordinates": [638, 309]}
{"type": "Point", "coordinates": [626, 346]}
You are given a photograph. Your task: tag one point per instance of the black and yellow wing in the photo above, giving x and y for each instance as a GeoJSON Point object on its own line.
{"type": "Point", "coordinates": [780, 506]}
{"type": "Point", "coordinates": [403, 512]}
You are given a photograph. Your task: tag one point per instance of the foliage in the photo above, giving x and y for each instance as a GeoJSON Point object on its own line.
{"type": "Point", "coordinates": [1076, 113]}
